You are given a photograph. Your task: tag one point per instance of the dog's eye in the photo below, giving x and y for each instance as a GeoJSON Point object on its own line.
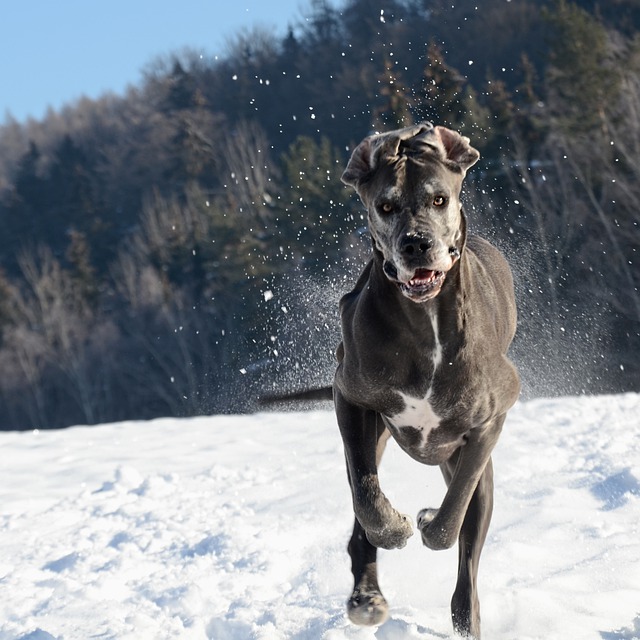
{"type": "Point", "coordinates": [386, 207]}
{"type": "Point", "coordinates": [439, 201]}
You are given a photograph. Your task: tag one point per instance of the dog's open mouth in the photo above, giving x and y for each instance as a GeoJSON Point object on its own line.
{"type": "Point", "coordinates": [424, 284]}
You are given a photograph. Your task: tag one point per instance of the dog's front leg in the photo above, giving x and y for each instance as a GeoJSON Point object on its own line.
{"type": "Point", "coordinates": [364, 435]}
{"type": "Point", "coordinates": [377, 523]}
{"type": "Point", "coordinates": [440, 528]}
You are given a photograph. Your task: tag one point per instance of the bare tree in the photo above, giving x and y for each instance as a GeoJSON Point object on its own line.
{"type": "Point", "coordinates": [54, 336]}
{"type": "Point", "coordinates": [249, 170]}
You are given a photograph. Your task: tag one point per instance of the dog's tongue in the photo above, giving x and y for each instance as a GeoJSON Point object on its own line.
{"type": "Point", "coordinates": [422, 276]}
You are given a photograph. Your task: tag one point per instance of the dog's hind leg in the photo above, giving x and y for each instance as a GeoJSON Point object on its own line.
{"type": "Point", "coordinates": [465, 604]}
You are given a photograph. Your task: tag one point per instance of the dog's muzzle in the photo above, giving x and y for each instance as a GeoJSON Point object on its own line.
{"type": "Point", "coordinates": [423, 285]}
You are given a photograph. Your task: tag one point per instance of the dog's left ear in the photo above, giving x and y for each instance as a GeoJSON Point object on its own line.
{"type": "Point", "coordinates": [374, 149]}
{"type": "Point", "coordinates": [457, 149]}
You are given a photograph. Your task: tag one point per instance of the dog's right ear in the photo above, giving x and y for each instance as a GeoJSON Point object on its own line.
{"type": "Point", "coordinates": [361, 163]}
{"type": "Point", "coordinates": [369, 154]}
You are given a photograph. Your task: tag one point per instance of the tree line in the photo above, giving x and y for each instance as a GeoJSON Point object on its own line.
{"type": "Point", "coordinates": [178, 249]}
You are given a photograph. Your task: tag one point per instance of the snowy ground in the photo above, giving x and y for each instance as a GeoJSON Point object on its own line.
{"type": "Point", "coordinates": [235, 527]}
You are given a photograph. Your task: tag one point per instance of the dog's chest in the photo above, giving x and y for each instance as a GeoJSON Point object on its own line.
{"type": "Point", "coordinates": [421, 426]}
{"type": "Point", "coordinates": [421, 431]}
{"type": "Point", "coordinates": [417, 415]}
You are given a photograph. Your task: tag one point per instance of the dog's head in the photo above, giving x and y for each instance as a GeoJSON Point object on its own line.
{"type": "Point", "coordinates": [410, 182]}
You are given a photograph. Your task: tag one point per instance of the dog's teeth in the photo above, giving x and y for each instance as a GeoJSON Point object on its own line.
{"type": "Point", "coordinates": [424, 278]}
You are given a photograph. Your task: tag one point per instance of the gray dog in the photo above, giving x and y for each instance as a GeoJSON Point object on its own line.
{"type": "Point", "coordinates": [423, 358]}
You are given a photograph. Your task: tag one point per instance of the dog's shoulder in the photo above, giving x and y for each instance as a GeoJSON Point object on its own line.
{"type": "Point", "coordinates": [491, 260]}
{"type": "Point", "coordinates": [349, 298]}
{"type": "Point", "coordinates": [486, 252]}
{"type": "Point", "coordinates": [493, 283]}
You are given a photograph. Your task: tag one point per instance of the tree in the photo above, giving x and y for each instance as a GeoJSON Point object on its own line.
{"type": "Point", "coordinates": [7, 297]}
{"type": "Point", "coordinates": [314, 214]}
{"type": "Point", "coordinates": [49, 343]}
{"type": "Point", "coordinates": [78, 255]}
{"type": "Point", "coordinates": [582, 78]}
{"type": "Point", "coordinates": [394, 112]}
{"type": "Point", "coordinates": [442, 90]}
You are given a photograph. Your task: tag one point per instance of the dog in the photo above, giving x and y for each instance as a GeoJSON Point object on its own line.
{"type": "Point", "coordinates": [423, 358]}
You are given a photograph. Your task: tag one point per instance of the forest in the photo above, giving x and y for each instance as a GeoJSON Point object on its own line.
{"type": "Point", "coordinates": [180, 249]}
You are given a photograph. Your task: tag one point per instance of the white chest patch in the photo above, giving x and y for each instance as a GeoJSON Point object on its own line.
{"type": "Point", "coordinates": [417, 414]}
{"type": "Point", "coordinates": [437, 349]}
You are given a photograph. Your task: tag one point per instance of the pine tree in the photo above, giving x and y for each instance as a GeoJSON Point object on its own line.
{"type": "Point", "coordinates": [7, 303]}
{"type": "Point", "coordinates": [394, 112]}
{"type": "Point", "coordinates": [442, 88]}
{"type": "Point", "coordinates": [581, 78]}
{"type": "Point", "coordinates": [78, 255]}
{"type": "Point", "coordinates": [312, 216]}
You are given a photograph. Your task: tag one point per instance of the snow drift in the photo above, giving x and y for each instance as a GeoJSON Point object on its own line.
{"type": "Point", "coordinates": [236, 527]}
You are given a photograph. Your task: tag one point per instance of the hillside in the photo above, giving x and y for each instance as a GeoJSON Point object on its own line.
{"type": "Point", "coordinates": [142, 232]}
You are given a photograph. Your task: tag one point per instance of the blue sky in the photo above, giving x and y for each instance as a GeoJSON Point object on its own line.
{"type": "Point", "coordinates": [55, 51]}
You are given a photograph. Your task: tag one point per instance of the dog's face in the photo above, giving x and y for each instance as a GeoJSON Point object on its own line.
{"type": "Point", "coordinates": [410, 182]}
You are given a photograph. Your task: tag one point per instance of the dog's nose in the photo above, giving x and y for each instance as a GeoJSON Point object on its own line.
{"type": "Point", "coordinates": [415, 245]}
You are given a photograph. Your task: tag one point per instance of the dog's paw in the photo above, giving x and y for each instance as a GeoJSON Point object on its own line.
{"type": "Point", "coordinates": [393, 535]}
{"type": "Point", "coordinates": [367, 609]}
{"type": "Point", "coordinates": [434, 536]}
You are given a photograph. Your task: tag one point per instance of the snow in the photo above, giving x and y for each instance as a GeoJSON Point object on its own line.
{"type": "Point", "coordinates": [235, 527]}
